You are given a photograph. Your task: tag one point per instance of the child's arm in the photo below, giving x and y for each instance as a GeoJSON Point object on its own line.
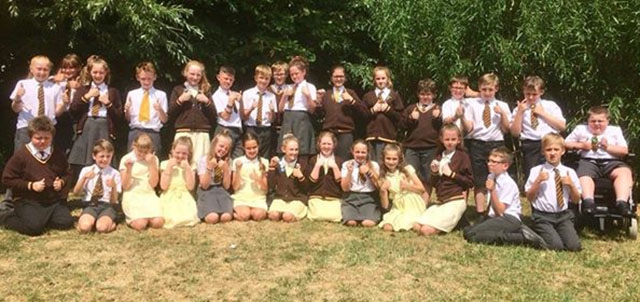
{"type": "Point", "coordinates": [496, 204]}
{"type": "Point", "coordinates": [82, 181]}
{"type": "Point", "coordinates": [113, 184]}
{"type": "Point", "coordinates": [127, 107]}
{"type": "Point", "coordinates": [414, 184]}
{"type": "Point", "coordinates": [384, 194]}
{"type": "Point", "coordinates": [260, 177]}
{"type": "Point", "coordinates": [16, 102]}
{"type": "Point", "coordinates": [347, 169]}
{"type": "Point", "coordinates": [310, 97]}
{"type": "Point", "coordinates": [532, 192]}
{"type": "Point", "coordinates": [554, 119]}
{"type": "Point", "coordinates": [504, 117]}
{"type": "Point", "coordinates": [165, 177]}
{"type": "Point", "coordinates": [315, 171]}
{"type": "Point", "coordinates": [237, 180]}
{"type": "Point", "coordinates": [114, 105]}
{"type": "Point", "coordinates": [152, 161]}
{"type": "Point", "coordinates": [189, 176]}
{"type": "Point", "coordinates": [571, 180]}
{"type": "Point", "coordinates": [230, 106]}
{"type": "Point", "coordinates": [615, 150]}
{"type": "Point", "coordinates": [62, 104]}
{"type": "Point", "coordinates": [394, 112]}
{"type": "Point", "coordinates": [204, 175]}
{"type": "Point", "coordinates": [161, 107]}
{"type": "Point", "coordinates": [125, 172]}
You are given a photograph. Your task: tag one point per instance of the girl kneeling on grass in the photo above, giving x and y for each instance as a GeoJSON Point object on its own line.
{"type": "Point", "coordinates": [214, 202]}
{"type": "Point", "coordinates": [289, 184]}
{"type": "Point", "coordinates": [360, 181]}
{"type": "Point", "coordinates": [451, 177]}
{"type": "Point", "coordinates": [176, 181]}
{"type": "Point", "coordinates": [139, 171]}
{"type": "Point", "coordinates": [400, 184]}
{"type": "Point", "coordinates": [250, 182]}
{"type": "Point", "coordinates": [325, 194]}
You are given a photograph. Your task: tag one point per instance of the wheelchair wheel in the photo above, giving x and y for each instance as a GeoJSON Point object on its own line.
{"type": "Point", "coordinates": [632, 230]}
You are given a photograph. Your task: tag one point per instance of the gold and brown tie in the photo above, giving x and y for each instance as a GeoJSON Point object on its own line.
{"type": "Point", "coordinates": [486, 115]}
{"type": "Point", "coordinates": [259, 110]}
{"type": "Point", "coordinates": [95, 108]}
{"type": "Point", "coordinates": [40, 99]}
{"type": "Point", "coordinates": [379, 96]}
{"type": "Point", "coordinates": [534, 117]}
{"type": "Point", "coordinates": [559, 193]}
{"type": "Point", "coordinates": [98, 190]}
{"type": "Point", "coordinates": [217, 173]}
{"type": "Point", "coordinates": [145, 108]}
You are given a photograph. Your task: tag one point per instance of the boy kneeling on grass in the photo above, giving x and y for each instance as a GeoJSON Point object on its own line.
{"type": "Point", "coordinates": [550, 188]}
{"type": "Point", "coordinates": [503, 226]}
{"type": "Point", "coordinates": [38, 176]}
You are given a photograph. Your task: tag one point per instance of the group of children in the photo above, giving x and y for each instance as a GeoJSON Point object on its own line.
{"type": "Point", "coordinates": [250, 171]}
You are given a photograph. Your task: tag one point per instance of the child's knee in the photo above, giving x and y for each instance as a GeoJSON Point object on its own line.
{"type": "Point", "coordinates": [288, 217]}
{"type": "Point", "coordinates": [139, 224]}
{"type": "Point", "coordinates": [368, 223]}
{"type": "Point", "coordinates": [274, 216]}
{"type": "Point", "coordinates": [156, 222]}
{"type": "Point", "coordinates": [226, 217]}
{"type": "Point", "coordinates": [258, 214]}
{"type": "Point", "coordinates": [212, 218]}
{"type": "Point", "coordinates": [387, 227]}
{"type": "Point", "coordinates": [351, 223]}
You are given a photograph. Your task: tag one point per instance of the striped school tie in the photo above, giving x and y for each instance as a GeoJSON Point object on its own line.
{"type": "Point", "coordinates": [40, 99]}
{"type": "Point", "coordinates": [217, 173]}
{"type": "Point", "coordinates": [534, 117]}
{"type": "Point", "coordinates": [486, 115]}
{"type": "Point", "coordinates": [259, 109]}
{"type": "Point", "coordinates": [95, 108]}
{"type": "Point", "coordinates": [145, 107]}
{"type": "Point", "coordinates": [98, 190]}
{"type": "Point", "coordinates": [559, 194]}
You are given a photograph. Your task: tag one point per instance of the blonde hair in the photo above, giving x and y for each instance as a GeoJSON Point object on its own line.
{"type": "Point", "coordinates": [205, 86]}
{"type": "Point", "coordinates": [288, 138]}
{"type": "Point", "coordinates": [145, 67]}
{"type": "Point", "coordinates": [39, 58]}
{"type": "Point", "coordinates": [503, 153]}
{"type": "Point", "coordinates": [280, 65]}
{"type": "Point", "coordinates": [262, 70]}
{"type": "Point", "coordinates": [299, 62]}
{"type": "Point", "coordinates": [459, 79]}
{"type": "Point", "coordinates": [185, 141]}
{"type": "Point", "coordinates": [328, 134]}
{"type": "Point", "coordinates": [386, 71]}
{"type": "Point", "coordinates": [552, 139]}
{"type": "Point", "coordinates": [489, 79]}
{"type": "Point", "coordinates": [143, 143]}
{"type": "Point", "coordinates": [92, 61]}
{"type": "Point", "coordinates": [222, 134]}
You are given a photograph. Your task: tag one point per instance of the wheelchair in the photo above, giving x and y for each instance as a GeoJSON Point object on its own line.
{"type": "Point", "coordinates": [606, 215]}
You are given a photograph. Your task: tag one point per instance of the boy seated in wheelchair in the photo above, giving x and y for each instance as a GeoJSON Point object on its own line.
{"type": "Point", "coordinates": [601, 148]}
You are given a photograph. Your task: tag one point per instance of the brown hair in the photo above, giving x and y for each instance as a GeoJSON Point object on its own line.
{"type": "Point", "coordinates": [427, 86]}
{"type": "Point", "coordinates": [145, 67]}
{"type": "Point", "coordinates": [143, 142]}
{"type": "Point", "coordinates": [41, 123]}
{"type": "Point", "coordinates": [102, 145]}
{"type": "Point", "coordinates": [533, 83]}
{"type": "Point", "coordinates": [459, 79]}
{"type": "Point", "coordinates": [300, 62]}
{"type": "Point", "coordinates": [489, 79]}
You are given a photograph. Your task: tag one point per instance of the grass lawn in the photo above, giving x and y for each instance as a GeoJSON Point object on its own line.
{"type": "Point", "coordinates": [307, 261]}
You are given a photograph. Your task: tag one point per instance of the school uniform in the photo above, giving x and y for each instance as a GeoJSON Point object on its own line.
{"type": "Point", "coordinates": [552, 219]}
{"type": "Point", "coordinates": [449, 108]}
{"type": "Point", "coordinates": [297, 120]}
{"type": "Point", "coordinates": [97, 193]}
{"type": "Point", "coordinates": [249, 194]}
{"type": "Point", "coordinates": [325, 194]}
{"type": "Point", "coordinates": [340, 118]}
{"type": "Point", "coordinates": [214, 199]}
{"type": "Point", "coordinates": [504, 229]}
{"type": "Point", "coordinates": [93, 124]}
{"type": "Point", "coordinates": [263, 129]}
{"type": "Point", "coordinates": [383, 126]}
{"type": "Point", "coordinates": [234, 124]}
{"type": "Point", "coordinates": [143, 117]}
{"type": "Point", "coordinates": [36, 211]}
{"type": "Point", "coordinates": [483, 138]}
{"type": "Point", "coordinates": [598, 163]}
{"type": "Point", "coordinates": [192, 119]}
{"type": "Point", "coordinates": [65, 132]}
{"type": "Point", "coordinates": [362, 201]}
{"type": "Point", "coordinates": [140, 200]}
{"type": "Point", "coordinates": [406, 206]}
{"type": "Point", "coordinates": [531, 136]}
{"type": "Point", "coordinates": [422, 138]}
{"type": "Point", "coordinates": [451, 205]}
{"type": "Point", "coordinates": [30, 106]}
{"type": "Point", "coordinates": [290, 192]}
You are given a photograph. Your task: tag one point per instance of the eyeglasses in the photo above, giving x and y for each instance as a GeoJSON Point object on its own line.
{"type": "Point", "coordinates": [491, 161]}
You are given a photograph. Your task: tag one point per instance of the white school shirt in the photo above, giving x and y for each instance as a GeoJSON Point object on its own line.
{"type": "Point", "coordinates": [445, 160]}
{"type": "Point", "coordinates": [582, 134]}
{"type": "Point", "coordinates": [474, 113]}
{"type": "Point", "coordinates": [543, 128]}
{"type": "Point", "coordinates": [41, 155]}
{"type": "Point", "coordinates": [508, 194]}
{"type": "Point", "coordinates": [52, 97]}
{"type": "Point", "coordinates": [299, 100]}
{"type": "Point", "coordinates": [104, 90]}
{"type": "Point", "coordinates": [449, 108]}
{"type": "Point", "coordinates": [249, 97]}
{"type": "Point", "coordinates": [385, 93]}
{"type": "Point", "coordinates": [356, 184]}
{"type": "Point", "coordinates": [155, 96]}
{"type": "Point", "coordinates": [108, 172]}
{"type": "Point", "coordinates": [221, 100]}
{"type": "Point", "coordinates": [546, 200]}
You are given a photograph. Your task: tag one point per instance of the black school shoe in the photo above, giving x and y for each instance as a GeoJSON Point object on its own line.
{"type": "Point", "coordinates": [533, 238]}
{"type": "Point", "coordinates": [6, 208]}
{"type": "Point", "coordinates": [588, 207]}
{"type": "Point", "coordinates": [624, 209]}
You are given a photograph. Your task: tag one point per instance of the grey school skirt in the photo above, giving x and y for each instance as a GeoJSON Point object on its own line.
{"type": "Point", "coordinates": [215, 199]}
{"type": "Point", "coordinates": [360, 206]}
{"type": "Point", "coordinates": [82, 150]}
{"type": "Point", "coordinates": [299, 124]}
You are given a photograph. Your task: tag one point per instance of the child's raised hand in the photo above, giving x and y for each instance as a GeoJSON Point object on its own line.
{"type": "Point", "coordinates": [256, 176]}
{"type": "Point", "coordinates": [297, 172]}
{"type": "Point", "coordinates": [128, 164]}
{"type": "Point", "coordinates": [603, 144]}
{"type": "Point", "coordinates": [104, 99]}
{"type": "Point", "coordinates": [273, 162]}
{"type": "Point", "coordinates": [385, 186]}
{"type": "Point", "coordinates": [38, 186]}
{"type": "Point", "coordinates": [364, 169]}
{"type": "Point", "coordinates": [59, 77]}
{"type": "Point", "coordinates": [497, 109]}
{"type": "Point", "coordinates": [490, 184]}
{"type": "Point", "coordinates": [202, 98]}
{"type": "Point", "coordinates": [290, 91]}
{"type": "Point", "coordinates": [332, 163]}
{"type": "Point", "coordinates": [20, 92]}
{"type": "Point", "coordinates": [350, 166]}
{"type": "Point", "coordinates": [434, 166]}
{"type": "Point", "coordinates": [127, 105]}
{"type": "Point", "coordinates": [538, 110]}
{"type": "Point", "coordinates": [522, 105]}
{"type": "Point", "coordinates": [543, 176]}
{"type": "Point", "coordinates": [93, 92]}
{"type": "Point", "coordinates": [57, 184]}
{"type": "Point", "coordinates": [90, 174]}
{"type": "Point", "coordinates": [185, 96]}
{"type": "Point", "coordinates": [460, 111]}
{"type": "Point", "coordinates": [110, 182]}
{"type": "Point", "coordinates": [223, 164]}
{"type": "Point", "coordinates": [238, 165]}
{"type": "Point", "coordinates": [384, 106]}
{"type": "Point", "coordinates": [436, 111]}
{"type": "Point", "coordinates": [73, 84]}
{"type": "Point", "coordinates": [156, 106]}
{"type": "Point", "coordinates": [149, 158]}
{"type": "Point", "coordinates": [172, 163]}
{"type": "Point", "coordinates": [65, 98]}
{"type": "Point", "coordinates": [347, 97]}
{"type": "Point", "coordinates": [320, 94]}
{"type": "Point", "coordinates": [415, 114]}
{"type": "Point", "coordinates": [184, 164]}
{"type": "Point", "coordinates": [306, 92]}
{"type": "Point", "coordinates": [212, 164]}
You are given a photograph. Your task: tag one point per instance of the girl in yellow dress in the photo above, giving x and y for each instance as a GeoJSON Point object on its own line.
{"type": "Point", "coordinates": [139, 171]}
{"type": "Point", "coordinates": [176, 181]}
{"type": "Point", "coordinates": [401, 185]}
{"type": "Point", "coordinates": [249, 182]}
